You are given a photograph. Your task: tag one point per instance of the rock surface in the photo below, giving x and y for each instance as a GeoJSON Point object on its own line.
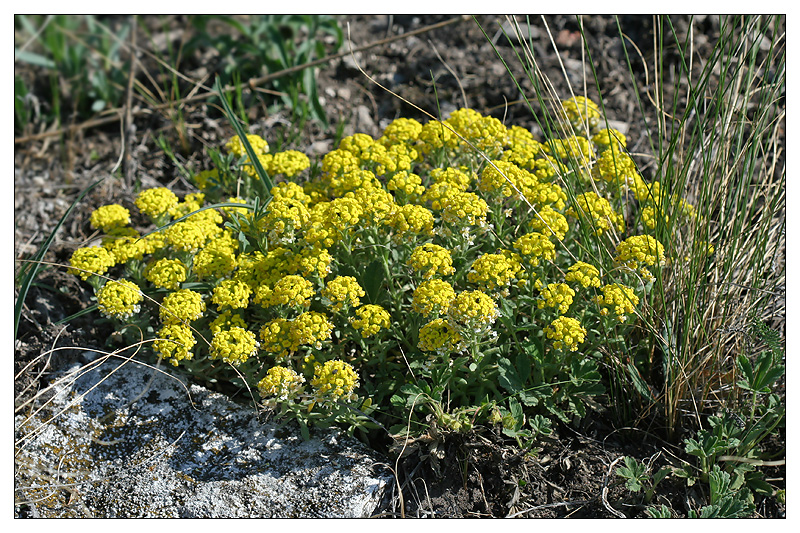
{"type": "Point", "coordinates": [115, 438]}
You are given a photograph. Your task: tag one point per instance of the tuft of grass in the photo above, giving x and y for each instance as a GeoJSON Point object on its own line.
{"type": "Point", "coordinates": [82, 61]}
{"type": "Point", "coordinates": [716, 142]}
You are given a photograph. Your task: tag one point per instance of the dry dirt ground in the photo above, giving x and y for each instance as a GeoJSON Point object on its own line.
{"type": "Point", "coordinates": [478, 475]}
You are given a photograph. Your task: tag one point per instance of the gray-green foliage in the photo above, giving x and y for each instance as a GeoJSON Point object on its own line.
{"type": "Point", "coordinates": [82, 57]}
{"type": "Point", "coordinates": [264, 44]}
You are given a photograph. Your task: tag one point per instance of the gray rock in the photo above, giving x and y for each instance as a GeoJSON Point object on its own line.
{"type": "Point", "coordinates": [115, 438]}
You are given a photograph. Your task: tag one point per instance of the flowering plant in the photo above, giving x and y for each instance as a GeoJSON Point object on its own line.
{"type": "Point", "coordinates": [437, 274]}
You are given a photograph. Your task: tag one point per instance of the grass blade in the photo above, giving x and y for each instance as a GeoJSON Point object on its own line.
{"type": "Point", "coordinates": [264, 179]}
{"type": "Point", "coordinates": [28, 273]}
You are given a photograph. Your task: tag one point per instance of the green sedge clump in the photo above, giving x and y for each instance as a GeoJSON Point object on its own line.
{"type": "Point", "coordinates": [401, 277]}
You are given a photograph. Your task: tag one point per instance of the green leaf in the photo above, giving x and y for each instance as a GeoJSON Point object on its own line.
{"type": "Point", "coordinates": [540, 425]}
{"type": "Point", "coordinates": [633, 472]}
{"type": "Point", "coordinates": [659, 512]}
{"type": "Point", "coordinates": [33, 58]}
{"type": "Point", "coordinates": [659, 476]}
{"type": "Point", "coordinates": [304, 429]}
{"type": "Point", "coordinates": [508, 378]}
{"type": "Point", "coordinates": [719, 483]}
{"type": "Point", "coordinates": [371, 279]}
{"type": "Point", "coordinates": [759, 486]}
{"type": "Point", "coordinates": [639, 383]}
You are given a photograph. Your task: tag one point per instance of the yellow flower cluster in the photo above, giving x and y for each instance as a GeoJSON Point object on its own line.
{"type": "Point", "coordinates": [310, 328]}
{"type": "Point", "coordinates": [109, 217]}
{"type": "Point", "coordinates": [125, 244]}
{"type": "Point", "coordinates": [91, 260]}
{"type": "Point", "coordinates": [312, 262]}
{"type": "Point", "coordinates": [439, 336]}
{"type": "Point", "coordinates": [650, 216]}
{"type": "Point", "coordinates": [156, 203]}
{"type": "Point", "coordinates": [455, 177]}
{"type": "Point", "coordinates": [397, 158]}
{"type": "Point", "coordinates": [291, 290]}
{"type": "Point", "coordinates": [236, 147]}
{"type": "Point", "coordinates": [435, 135]}
{"type": "Point", "coordinates": [646, 193]}
{"type": "Point", "coordinates": [493, 271]}
{"type": "Point", "coordinates": [282, 382]}
{"type": "Point", "coordinates": [433, 297]}
{"type": "Point", "coordinates": [334, 380]}
{"type": "Point", "coordinates": [464, 209]}
{"type": "Point", "coordinates": [407, 184]}
{"type": "Point", "coordinates": [249, 168]}
{"type": "Point", "coordinates": [550, 222]}
{"type": "Point", "coordinates": [431, 260]}
{"type": "Point", "coordinates": [276, 338]}
{"type": "Point", "coordinates": [264, 271]}
{"type": "Point", "coordinates": [377, 205]}
{"type": "Point", "coordinates": [546, 168]}
{"type": "Point", "coordinates": [191, 203]}
{"type": "Point", "coordinates": [619, 298]}
{"type": "Point", "coordinates": [288, 190]}
{"type": "Point", "coordinates": [217, 258]}
{"type": "Point", "coordinates": [410, 219]}
{"type": "Point", "coordinates": [602, 216]}
{"type": "Point", "coordinates": [166, 273]}
{"type": "Point", "coordinates": [226, 320]}
{"type": "Point", "coordinates": [639, 250]}
{"type": "Point", "coordinates": [583, 273]}
{"type": "Point", "coordinates": [152, 243]}
{"type": "Point", "coordinates": [231, 293]}
{"type": "Point", "coordinates": [609, 138]}
{"type": "Point", "coordinates": [486, 133]}
{"type": "Point", "coordinates": [534, 246]}
{"type": "Point", "coordinates": [401, 131]}
{"type": "Point", "coordinates": [575, 147]}
{"type": "Point", "coordinates": [119, 299]}
{"type": "Point", "coordinates": [557, 295]}
{"type": "Point", "coordinates": [358, 144]}
{"type": "Point", "coordinates": [174, 342]}
{"type": "Point", "coordinates": [289, 163]}
{"type": "Point", "coordinates": [234, 346]}
{"type": "Point", "coordinates": [343, 291]}
{"type": "Point", "coordinates": [615, 167]}
{"type": "Point", "coordinates": [370, 319]}
{"type": "Point", "coordinates": [507, 180]}
{"type": "Point", "coordinates": [383, 160]}
{"type": "Point", "coordinates": [547, 194]}
{"type": "Point", "coordinates": [474, 310]}
{"type": "Point", "coordinates": [380, 199]}
{"type": "Point", "coordinates": [522, 148]}
{"type": "Point", "coordinates": [182, 306]}
{"type": "Point", "coordinates": [186, 236]}
{"type": "Point", "coordinates": [567, 333]}
{"type": "Point", "coordinates": [330, 221]}
{"type": "Point", "coordinates": [337, 163]}
{"type": "Point", "coordinates": [580, 112]}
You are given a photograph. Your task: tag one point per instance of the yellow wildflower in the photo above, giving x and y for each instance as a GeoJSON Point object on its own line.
{"type": "Point", "coordinates": [109, 217]}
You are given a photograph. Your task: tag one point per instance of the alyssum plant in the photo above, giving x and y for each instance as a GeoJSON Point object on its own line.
{"type": "Point", "coordinates": [439, 274]}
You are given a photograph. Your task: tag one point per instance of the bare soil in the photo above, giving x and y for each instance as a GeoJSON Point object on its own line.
{"type": "Point", "coordinates": [481, 474]}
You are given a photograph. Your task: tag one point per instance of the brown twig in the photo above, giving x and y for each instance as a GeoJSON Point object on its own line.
{"type": "Point", "coordinates": [130, 126]}
{"type": "Point", "coordinates": [604, 493]}
{"type": "Point", "coordinates": [116, 114]}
